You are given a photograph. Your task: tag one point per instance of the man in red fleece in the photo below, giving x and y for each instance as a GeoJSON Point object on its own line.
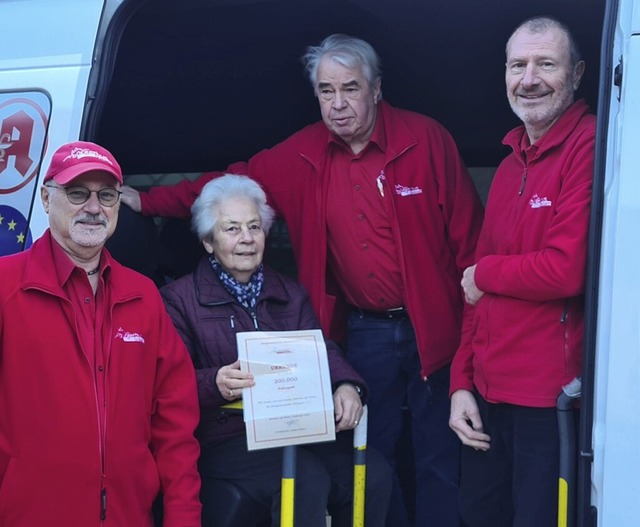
{"type": "Point", "coordinates": [98, 399]}
{"type": "Point", "coordinates": [523, 339]}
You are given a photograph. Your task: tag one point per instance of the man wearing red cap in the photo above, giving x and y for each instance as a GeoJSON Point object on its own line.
{"type": "Point", "coordinates": [98, 401]}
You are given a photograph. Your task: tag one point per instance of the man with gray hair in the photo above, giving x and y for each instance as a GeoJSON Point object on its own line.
{"type": "Point", "coordinates": [98, 397]}
{"type": "Point", "coordinates": [383, 218]}
{"type": "Point", "coordinates": [522, 342]}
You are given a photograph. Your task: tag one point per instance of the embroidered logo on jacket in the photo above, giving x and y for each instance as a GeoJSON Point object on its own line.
{"type": "Point", "coordinates": [401, 190]}
{"type": "Point", "coordinates": [536, 202]}
{"type": "Point", "coordinates": [127, 336]}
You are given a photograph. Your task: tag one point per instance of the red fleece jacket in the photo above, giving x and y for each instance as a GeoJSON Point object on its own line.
{"type": "Point", "coordinates": [523, 340]}
{"type": "Point", "coordinates": [60, 464]}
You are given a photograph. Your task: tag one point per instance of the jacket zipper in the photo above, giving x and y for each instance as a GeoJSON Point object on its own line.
{"type": "Point", "coordinates": [254, 318]}
{"type": "Point", "coordinates": [565, 313]}
{"type": "Point", "coordinates": [523, 181]}
{"type": "Point", "coordinates": [103, 504]}
{"type": "Point", "coordinates": [101, 430]}
{"type": "Point", "coordinates": [232, 321]}
{"type": "Point", "coordinates": [565, 326]}
{"type": "Point", "coordinates": [101, 425]}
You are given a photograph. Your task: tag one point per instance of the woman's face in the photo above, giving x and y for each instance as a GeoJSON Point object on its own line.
{"type": "Point", "coordinates": [237, 239]}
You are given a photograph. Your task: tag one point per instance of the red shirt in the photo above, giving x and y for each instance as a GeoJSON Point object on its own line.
{"type": "Point", "coordinates": [89, 314]}
{"type": "Point", "coordinates": [358, 216]}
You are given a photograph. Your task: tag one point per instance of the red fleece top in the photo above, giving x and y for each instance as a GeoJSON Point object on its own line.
{"type": "Point", "coordinates": [523, 340]}
{"type": "Point", "coordinates": [78, 434]}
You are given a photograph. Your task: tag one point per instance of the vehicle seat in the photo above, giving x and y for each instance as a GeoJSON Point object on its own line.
{"type": "Point", "coordinates": [230, 506]}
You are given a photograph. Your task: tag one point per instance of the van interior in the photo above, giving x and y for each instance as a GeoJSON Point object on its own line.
{"type": "Point", "coordinates": [192, 86]}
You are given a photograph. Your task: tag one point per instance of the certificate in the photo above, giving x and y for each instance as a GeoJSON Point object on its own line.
{"type": "Point", "coordinates": [291, 402]}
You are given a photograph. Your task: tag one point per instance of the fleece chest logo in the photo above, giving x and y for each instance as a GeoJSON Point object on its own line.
{"type": "Point", "coordinates": [402, 190]}
{"type": "Point", "coordinates": [537, 202]}
{"type": "Point", "coordinates": [127, 336]}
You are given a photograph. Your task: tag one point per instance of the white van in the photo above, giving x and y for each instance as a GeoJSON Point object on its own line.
{"type": "Point", "coordinates": [183, 86]}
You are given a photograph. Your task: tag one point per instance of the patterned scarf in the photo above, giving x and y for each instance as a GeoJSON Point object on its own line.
{"type": "Point", "coordinates": [246, 294]}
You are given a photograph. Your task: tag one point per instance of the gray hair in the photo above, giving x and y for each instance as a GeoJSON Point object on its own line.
{"type": "Point", "coordinates": [351, 52]}
{"type": "Point", "coordinates": [204, 211]}
{"type": "Point", "coordinates": [540, 24]}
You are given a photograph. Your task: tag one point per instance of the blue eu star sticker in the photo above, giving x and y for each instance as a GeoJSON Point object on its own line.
{"type": "Point", "coordinates": [15, 235]}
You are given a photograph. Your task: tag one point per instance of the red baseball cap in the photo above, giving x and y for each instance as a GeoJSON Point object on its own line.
{"type": "Point", "coordinates": [74, 159]}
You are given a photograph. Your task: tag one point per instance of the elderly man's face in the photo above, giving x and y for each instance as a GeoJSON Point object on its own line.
{"type": "Point", "coordinates": [84, 226]}
{"type": "Point", "coordinates": [347, 102]}
{"type": "Point", "coordinates": [540, 79]}
{"type": "Point", "coordinates": [237, 240]}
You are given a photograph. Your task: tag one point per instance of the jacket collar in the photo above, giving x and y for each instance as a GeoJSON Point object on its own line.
{"type": "Point", "coordinates": [40, 273]}
{"type": "Point", "coordinates": [210, 291]}
{"type": "Point", "coordinates": [555, 136]}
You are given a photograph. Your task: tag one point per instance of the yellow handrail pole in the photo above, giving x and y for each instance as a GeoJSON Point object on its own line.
{"type": "Point", "coordinates": [287, 498]}
{"type": "Point", "coordinates": [359, 469]}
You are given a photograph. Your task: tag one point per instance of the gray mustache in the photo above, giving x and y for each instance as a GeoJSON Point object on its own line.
{"type": "Point", "coordinates": [91, 218]}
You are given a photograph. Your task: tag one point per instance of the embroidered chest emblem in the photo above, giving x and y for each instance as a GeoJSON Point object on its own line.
{"type": "Point", "coordinates": [402, 190]}
{"type": "Point", "coordinates": [127, 336]}
{"type": "Point", "coordinates": [537, 202]}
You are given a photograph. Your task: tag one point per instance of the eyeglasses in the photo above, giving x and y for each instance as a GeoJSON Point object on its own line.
{"type": "Point", "coordinates": [79, 195]}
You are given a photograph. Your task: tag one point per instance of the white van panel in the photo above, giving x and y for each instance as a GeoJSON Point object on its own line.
{"type": "Point", "coordinates": [616, 467]}
{"type": "Point", "coordinates": [38, 32]}
{"type": "Point", "coordinates": [45, 46]}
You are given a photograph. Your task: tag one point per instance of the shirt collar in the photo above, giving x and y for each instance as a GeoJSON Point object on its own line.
{"type": "Point", "coordinates": [378, 137]}
{"type": "Point", "coordinates": [64, 266]}
{"type": "Point", "coordinates": [61, 262]}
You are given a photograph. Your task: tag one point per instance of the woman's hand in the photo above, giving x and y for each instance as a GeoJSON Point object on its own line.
{"type": "Point", "coordinates": [230, 381]}
{"type": "Point", "coordinates": [347, 406]}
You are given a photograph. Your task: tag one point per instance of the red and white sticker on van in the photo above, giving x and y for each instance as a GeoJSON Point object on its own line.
{"type": "Point", "coordinates": [24, 117]}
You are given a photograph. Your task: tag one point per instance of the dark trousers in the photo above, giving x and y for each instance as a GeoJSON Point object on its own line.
{"type": "Point", "coordinates": [384, 352]}
{"type": "Point", "coordinates": [514, 483]}
{"type": "Point", "coordinates": [324, 480]}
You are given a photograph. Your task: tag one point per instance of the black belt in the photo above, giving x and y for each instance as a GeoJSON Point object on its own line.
{"type": "Point", "coordinates": [389, 314]}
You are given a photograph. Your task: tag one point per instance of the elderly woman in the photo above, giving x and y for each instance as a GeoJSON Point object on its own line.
{"type": "Point", "coordinates": [230, 291]}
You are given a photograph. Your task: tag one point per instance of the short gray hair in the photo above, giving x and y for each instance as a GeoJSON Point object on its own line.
{"type": "Point", "coordinates": [204, 211]}
{"type": "Point", "coordinates": [351, 52]}
{"type": "Point", "coordinates": [540, 24]}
